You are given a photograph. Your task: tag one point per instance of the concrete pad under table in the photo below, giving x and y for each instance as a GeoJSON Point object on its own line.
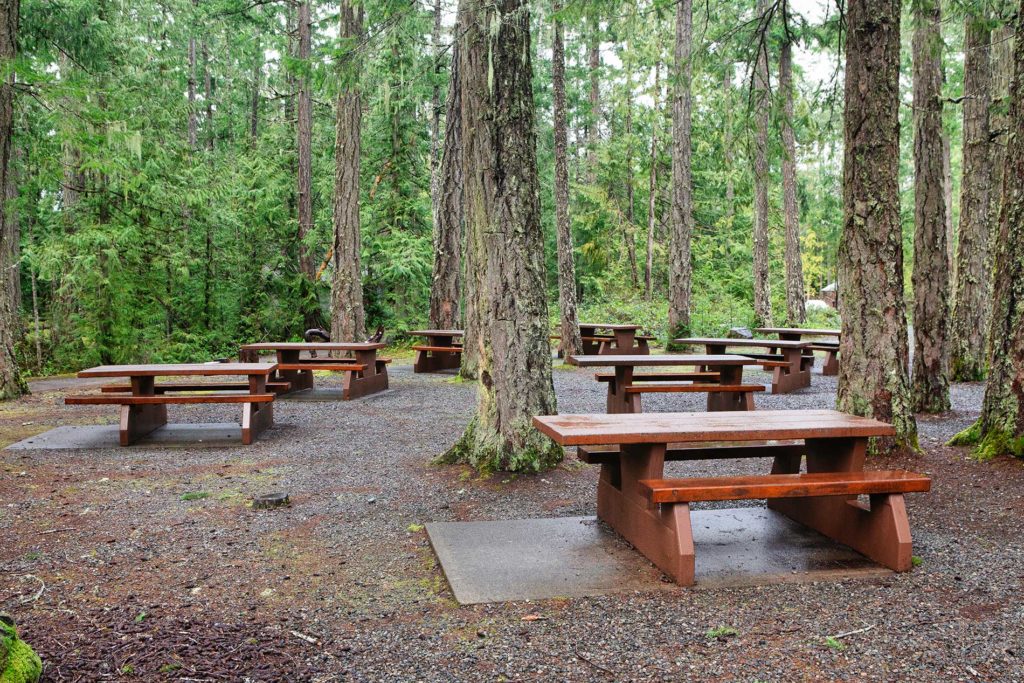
{"type": "Point", "coordinates": [536, 559]}
{"type": "Point", "coordinates": [213, 435]}
{"type": "Point", "coordinates": [317, 394]}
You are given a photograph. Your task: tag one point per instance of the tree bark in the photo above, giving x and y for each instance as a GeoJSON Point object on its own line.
{"type": "Point", "coordinates": [504, 230]}
{"type": "Point", "coordinates": [727, 152]}
{"type": "Point", "coordinates": [930, 388]}
{"type": "Point", "coordinates": [311, 317]}
{"type": "Point", "coordinates": [999, 124]}
{"type": "Point", "coordinates": [795, 313]}
{"type": "Point", "coordinates": [435, 94]}
{"type": "Point", "coordinates": [570, 325]}
{"type": "Point", "coordinates": [347, 317]}
{"type": "Point", "coordinates": [593, 121]}
{"type": "Point", "coordinates": [254, 104]}
{"type": "Point", "coordinates": [652, 185]}
{"type": "Point", "coordinates": [972, 304]}
{"type": "Point", "coordinates": [11, 382]}
{"type": "Point", "coordinates": [1000, 429]}
{"type": "Point", "coordinates": [446, 283]}
{"type": "Point", "coordinates": [208, 95]}
{"type": "Point", "coordinates": [193, 124]}
{"type": "Point", "coordinates": [680, 268]}
{"type": "Point", "coordinates": [627, 233]}
{"type": "Point", "coordinates": [873, 375]}
{"type": "Point", "coordinates": [762, 104]}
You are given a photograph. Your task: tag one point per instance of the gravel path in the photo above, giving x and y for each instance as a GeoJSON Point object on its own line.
{"type": "Point", "coordinates": [133, 581]}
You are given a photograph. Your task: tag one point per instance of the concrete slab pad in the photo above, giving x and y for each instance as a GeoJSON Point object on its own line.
{"type": "Point", "coordinates": [535, 559]}
{"type": "Point", "coordinates": [106, 436]}
{"type": "Point", "coordinates": [532, 559]}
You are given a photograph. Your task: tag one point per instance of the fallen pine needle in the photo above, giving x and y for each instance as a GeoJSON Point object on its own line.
{"type": "Point", "coordinates": [303, 636]}
{"type": "Point", "coordinates": [42, 587]}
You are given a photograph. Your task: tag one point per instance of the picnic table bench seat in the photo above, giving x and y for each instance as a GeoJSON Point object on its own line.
{"type": "Point", "coordinates": [703, 375]}
{"type": "Point", "coordinates": [332, 366]}
{"type": "Point", "coordinates": [442, 350]}
{"type": "Point", "coordinates": [771, 486]}
{"type": "Point", "coordinates": [438, 349]}
{"type": "Point", "coordinates": [275, 387]}
{"type": "Point", "coordinates": [683, 452]}
{"type": "Point", "coordinates": [166, 399]}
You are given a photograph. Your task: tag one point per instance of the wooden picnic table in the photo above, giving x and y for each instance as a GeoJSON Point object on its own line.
{"type": "Point", "coordinates": [612, 338]}
{"type": "Point", "coordinates": [653, 513]}
{"type": "Point", "coordinates": [791, 370]}
{"type": "Point", "coordinates": [441, 352]}
{"type": "Point", "coordinates": [365, 373]}
{"type": "Point", "coordinates": [144, 403]}
{"type": "Point", "coordinates": [831, 348]}
{"type": "Point", "coordinates": [721, 376]}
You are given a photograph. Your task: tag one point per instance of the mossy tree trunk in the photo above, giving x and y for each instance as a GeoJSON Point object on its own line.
{"type": "Point", "coordinates": [873, 375]}
{"type": "Point", "coordinates": [930, 389]}
{"type": "Point", "coordinates": [347, 316]}
{"type": "Point", "coordinates": [795, 311]}
{"type": "Point", "coordinates": [1000, 429]}
{"type": "Point", "coordinates": [570, 324]}
{"type": "Point", "coordinates": [11, 382]}
{"type": "Point", "coordinates": [680, 268]}
{"type": "Point", "coordinates": [503, 228]}
{"type": "Point", "coordinates": [762, 106]}
{"type": "Point", "coordinates": [973, 303]}
{"type": "Point", "coordinates": [446, 282]}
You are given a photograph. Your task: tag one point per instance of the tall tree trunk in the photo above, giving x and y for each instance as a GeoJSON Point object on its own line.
{"type": "Point", "coordinates": [999, 121]}
{"type": "Point", "coordinates": [652, 185]}
{"type": "Point", "coordinates": [305, 170]}
{"type": "Point", "coordinates": [628, 228]}
{"type": "Point", "coordinates": [208, 95]}
{"type": "Point", "coordinates": [762, 104]}
{"type": "Point", "coordinates": [873, 375]}
{"type": "Point", "coordinates": [930, 388]}
{"type": "Point", "coordinates": [503, 227]}
{"type": "Point", "coordinates": [679, 266]}
{"type": "Point", "coordinates": [1000, 429]}
{"type": "Point", "coordinates": [593, 67]}
{"type": "Point", "coordinates": [435, 95]}
{"type": "Point", "coordinates": [254, 104]}
{"type": "Point", "coordinates": [730, 187]}
{"type": "Point", "coordinates": [570, 325]}
{"type": "Point", "coordinates": [446, 283]}
{"type": "Point", "coordinates": [972, 304]}
{"type": "Point", "coordinates": [11, 382]}
{"type": "Point", "coordinates": [795, 313]}
{"type": "Point", "coordinates": [347, 317]}
{"type": "Point", "coordinates": [193, 124]}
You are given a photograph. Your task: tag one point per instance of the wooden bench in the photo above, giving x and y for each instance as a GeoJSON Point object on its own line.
{"type": "Point", "coordinates": [442, 350]}
{"type": "Point", "coordinates": [772, 486]}
{"type": "Point", "coordinates": [704, 375]}
{"type": "Point", "coordinates": [275, 387]}
{"type": "Point", "coordinates": [166, 400]}
{"type": "Point", "coordinates": [332, 367]}
{"type": "Point", "coordinates": [831, 365]}
{"type": "Point", "coordinates": [745, 392]}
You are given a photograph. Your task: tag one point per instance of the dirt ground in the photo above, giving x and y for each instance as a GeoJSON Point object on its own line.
{"type": "Point", "coordinates": [150, 564]}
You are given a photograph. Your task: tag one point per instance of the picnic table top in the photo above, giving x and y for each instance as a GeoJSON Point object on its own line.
{"type": "Point", "coordinates": [314, 346]}
{"type": "Point", "coordinates": [611, 360]}
{"type": "Point", "coordinates": [610, 326]}
{"type": "Point", "coordinates": [179, 370]}
{"type": "Point", "coordinates": [639, 428]}
{"type": "Point", "coordinates": [721, 341]}
{"type": "Point", "coordinates": [437, 333]}
{"type": "Point", "coordinates": [798, 330]}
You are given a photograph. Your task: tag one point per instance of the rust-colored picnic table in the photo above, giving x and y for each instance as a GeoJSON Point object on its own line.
{"type": "Point", "coordinates": [653, 513]}
{"type": "Point", "coordinates": [441, 352]}
{"type": "Point", "coordinates": [721, 376]}
{"type": "Point", "coordinates": [365, 373]}
{"type": "Point", "coordinates": [612, 338]}
{"type": "Point", "coordinates": [791, 370]}
{"type": "Point", "coordinates": [831, 348]}
{"type": "Point", "coordinates": [144, 402]}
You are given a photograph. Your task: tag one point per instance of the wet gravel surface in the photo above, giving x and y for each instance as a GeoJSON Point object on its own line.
{"type": "Point", "coordinates": [112, 575]}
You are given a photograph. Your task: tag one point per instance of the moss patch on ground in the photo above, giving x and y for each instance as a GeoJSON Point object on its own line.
{"type": "Point", "coordinates": [18, 663]}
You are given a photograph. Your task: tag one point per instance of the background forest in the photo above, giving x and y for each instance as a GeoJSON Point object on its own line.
{"type": "Point", "coordinates": [156, 161]}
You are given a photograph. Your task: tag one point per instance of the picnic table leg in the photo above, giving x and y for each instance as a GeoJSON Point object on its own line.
{"type": "Point", "coordinates": [256, 417]}
{"type": "Point", "coordinates": [793, 376]}
{"type": "Point", "coordinates": [138, 421]}
{"type": "Point", "coordinates": [662, 533]}
{"type": "Point", "coordinates": [879, 530]}
{"type": "Point", "coordinates": [618, 400]}
{"type": "Point", "coordinates": [589, 348]}
{"type": "Point", "coordinates": [297, 379]}
{"type": "Point", "coordinates": [369, 381]}
{"type": "Point", "coordinates": [720, 401]}
{"type": "Point", "coordinates": [831, 365]}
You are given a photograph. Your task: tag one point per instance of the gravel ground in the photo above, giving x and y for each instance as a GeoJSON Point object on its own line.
{"type": "Point", "coordinates": [112, 575]}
